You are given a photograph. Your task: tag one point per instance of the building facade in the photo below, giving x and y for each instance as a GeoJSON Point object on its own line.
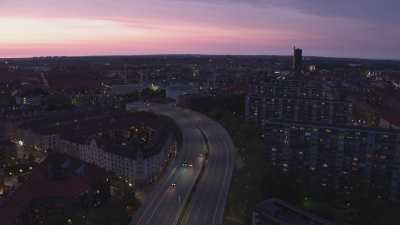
{"type": "Point", "coordinates": [294, 100]}
{"type": "Point", "coordinates": [135, 146]}
{"type": "Point", "coordinates": [338, 156]}
{"type": "Point", "coordinates": [297, 59]}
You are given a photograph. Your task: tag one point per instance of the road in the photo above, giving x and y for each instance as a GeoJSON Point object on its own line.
{"type": "Point", "coordinates": [165, 205]}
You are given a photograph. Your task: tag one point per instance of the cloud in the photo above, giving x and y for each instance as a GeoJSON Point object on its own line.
{"type": "Point", "coordinates": [366, 28]}
{"type": "Point", "coordinates": [381, 11]}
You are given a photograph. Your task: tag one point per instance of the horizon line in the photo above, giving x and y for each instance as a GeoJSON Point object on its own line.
{"type": "Point", "coordinates": [193, 54]}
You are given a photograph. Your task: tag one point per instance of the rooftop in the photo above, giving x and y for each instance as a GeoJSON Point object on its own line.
{"type": "Point", "coordinates": [73, 178]}
{"type": "Point", "coordinates": [330, 126]}
{"type": "Point", "coordinates": [121, 132]}
{"type": "Point", "coordinates": [286, 214]}
{"type": "Point", "coordinates": [73, 84]}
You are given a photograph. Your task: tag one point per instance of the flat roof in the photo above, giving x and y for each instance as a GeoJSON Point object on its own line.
{"type": "Point", "coordinates": [330, 126]}
{"type": "Point", "coordinates": [286, 214]}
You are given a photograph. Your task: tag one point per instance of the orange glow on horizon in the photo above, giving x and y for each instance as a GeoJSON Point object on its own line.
{"type": "Point", "coordinates": [92, 36]}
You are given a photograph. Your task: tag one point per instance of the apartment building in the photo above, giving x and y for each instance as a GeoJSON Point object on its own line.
{"type": "Point", "coordinates": [338, 154]}
{"type": "Point", "coordinates": [136, 146]}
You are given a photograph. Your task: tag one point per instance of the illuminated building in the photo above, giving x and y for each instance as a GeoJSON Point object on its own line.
{"type": "Point", "coordinates": [335, 155]}
{"type": "Point", "coordinates": [295, 100]}
{"type": "Point", "coordinates": [136, 146]}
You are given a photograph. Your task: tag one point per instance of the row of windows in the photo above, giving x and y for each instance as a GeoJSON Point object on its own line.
{"type": "Point", "coordinates": [122, 166]}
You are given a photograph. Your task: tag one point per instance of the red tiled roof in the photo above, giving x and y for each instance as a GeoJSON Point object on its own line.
{"type": "Point", "coordinates": [393, 119]}
{"type": "Point", "coordinates": [39, 186]}
{"type": "Point", "coordinates": [74, 84]}
{"type": "Point", "coordinates": [18, 76]}
{"type": "Point", "coordinates": [360, 104]}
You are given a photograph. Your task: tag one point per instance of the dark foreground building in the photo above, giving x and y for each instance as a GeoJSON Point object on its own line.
{"type": "Point", "coordinates": [59, 186]}
{"type": "Point", "coordinates": [339, 157]}
{"type": "Point", "coordinates": [277, 212]}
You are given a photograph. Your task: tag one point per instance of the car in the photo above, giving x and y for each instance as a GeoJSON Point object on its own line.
{"type": "Point", "coordinates": [173, 185]}
{"type": "Point", "coordinates": [186, 165]}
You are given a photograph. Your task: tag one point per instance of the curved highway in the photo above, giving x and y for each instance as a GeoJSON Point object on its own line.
{"type": "Point", "coordinates": [201, 191]}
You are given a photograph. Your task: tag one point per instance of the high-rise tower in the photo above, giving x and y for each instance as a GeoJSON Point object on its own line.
{"type": "Point", "coordinates": [297, 59]}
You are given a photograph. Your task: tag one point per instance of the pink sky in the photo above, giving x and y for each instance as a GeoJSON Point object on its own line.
{"type": "Point", "coordinates": [100, 27]}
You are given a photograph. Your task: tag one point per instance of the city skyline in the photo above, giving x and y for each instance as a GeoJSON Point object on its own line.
{"type": "Point", "coordinates": [199, 139]}
{"type": "Point", "coordinates": [97, 27]}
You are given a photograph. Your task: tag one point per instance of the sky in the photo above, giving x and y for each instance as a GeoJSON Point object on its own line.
{"type": "Point", "coordinates": [337, 28]}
